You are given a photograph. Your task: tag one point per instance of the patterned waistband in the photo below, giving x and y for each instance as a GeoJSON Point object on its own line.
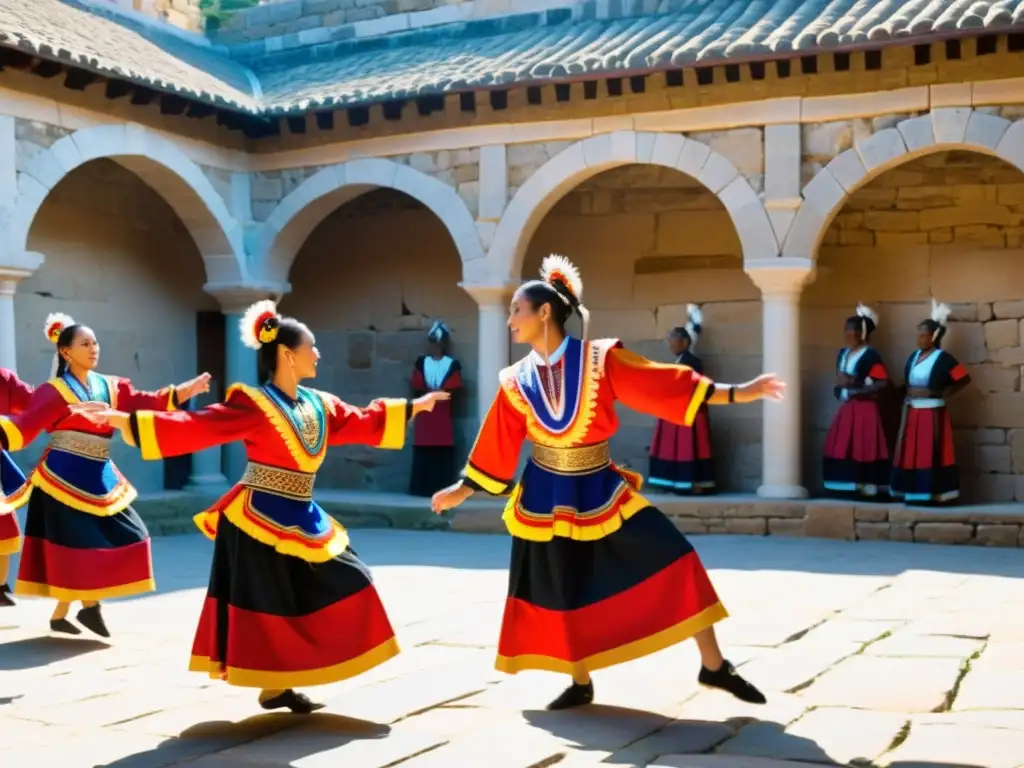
{"type": "Point", "coordinates": [81, 444]}
{"type": "Point", "coordinates": [586, 458]}
{"type": "Point", "coordinates": [280, 482]}
{"type": "Point", "coordinates": [926, 402]}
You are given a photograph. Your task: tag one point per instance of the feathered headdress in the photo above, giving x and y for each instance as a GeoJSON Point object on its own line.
{"type": "Point", "coordinates": [867, 313]}
{"type": "Point", "coordinates": [558, 269]}
{"type": "Point", "coordinates": [438, 331]}
{"type": "Point", "coordinates": [260, 324]}
{"type": "Point", "coordinates": [55, 324]}
{"type": "Point", "coordinates": [940, 314]}
{"type": "Point", "coordinates": [695, 323]}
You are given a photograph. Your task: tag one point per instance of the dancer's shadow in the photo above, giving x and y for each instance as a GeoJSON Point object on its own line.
{"type": "Point", "coordinates": [635, 736]}
{"type": "Point", "coordinates": [271, 739]}
{"type": "Point", "coordinates": [40, 651]}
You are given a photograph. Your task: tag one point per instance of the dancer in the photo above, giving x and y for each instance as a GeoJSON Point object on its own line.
{"type": "Point", "coordinates": [681, 459]}
{"type": "Point", "coordinates": [856, 455]}
{"type": "Point", "coordinates": [83, 540]}
{"type": "Point", "coordinates": [433, 454]}
{"type": "Point", "coordinates": [598, 576]}
{"type": "Point", "coordinates": [925, 469]}
{"type": "Point", "coordinates": [289, 604]}
{"type": "Point", "coordinates": [14, 397]}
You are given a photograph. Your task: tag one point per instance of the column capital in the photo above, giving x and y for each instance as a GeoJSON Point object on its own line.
{"type": "Point", "coordinates": [18, 265]}
{"type": "Point", "coordinates": [235, 299]}
{"type": "Point", "coordinates": [784, 276]}
{"type": "Point", "coordinates": [490, 294]}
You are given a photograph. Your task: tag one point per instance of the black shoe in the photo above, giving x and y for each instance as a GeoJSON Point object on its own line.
{"type": "Point", "coordinates": [575, 695]}
{"type": "Point", "coordinates": [299, 703]}
{"type": "Point", "coordinates": [6, 601]}
{"type": "Point", "coordinates": [92, 619]}
{"type": "Point", "coordinates": [727, 679]}
{"type": "Point", "coordinates": [64, 627]}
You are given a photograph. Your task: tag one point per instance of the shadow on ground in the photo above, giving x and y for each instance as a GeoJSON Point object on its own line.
{"type": "Point", "coordinates": [220, 744]}
{"type": "Point", "coordinates": [40, 651]}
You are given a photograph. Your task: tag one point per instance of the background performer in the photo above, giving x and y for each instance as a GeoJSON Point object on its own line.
{"type": "Point", "coordinates": [433, 455]}
{"type": "Point", "coordinates": [14, 397]}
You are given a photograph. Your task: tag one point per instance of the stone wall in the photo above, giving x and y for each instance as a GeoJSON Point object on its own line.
{"type": "Point", "coordinates": [648, 241]}
{"type": "Point", "coordinates": [32, 137]}
{"type": "Point", "coordinates": [947, 225]}
{"type": "Point", "coordinates": [369, 281]}
{"type": "Point", "coordinates": [119, 260]}
{"type": "Point", "coordinates": [459, 169]}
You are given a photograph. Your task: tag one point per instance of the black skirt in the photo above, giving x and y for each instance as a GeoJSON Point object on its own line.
{"type": "Point", "coordinates": [433, 468]}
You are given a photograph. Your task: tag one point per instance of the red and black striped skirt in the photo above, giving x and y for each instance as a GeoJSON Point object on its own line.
{"type": "Point", "coordinates": [277, 621]}
{"type": "Point", "coordinates": [680, 458]}
{"type": "Point", "coordinates": [856, 455]}
{"type": "Point", "coordinates": [924, 467]}
{"type": "Point", "coordinates": [577, 606]}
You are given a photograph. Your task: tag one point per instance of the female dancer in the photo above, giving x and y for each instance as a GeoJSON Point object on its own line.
{"type": "Point", "coordinates": [925, 470]}
{"type": "Point", "coordinates": [289, 603]}
{"type": "Point", "coordinates": [598, 576]}
{"type": "Point", "coordinates": [83, 540]}
{"type": "Point", "coordinates": [14, 397]}
{"type": "Point", "coordinates": [856, 454]}
{"type": "Point", "coordinates": [681, 458]}
{"type": "Point", "coordinates": [433, 453]}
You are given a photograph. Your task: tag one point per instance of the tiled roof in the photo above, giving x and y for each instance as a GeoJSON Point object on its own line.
{"type": "Point", "coordinates": [115, 45]}
{"type": "Point", "coordinates": [591, 38]}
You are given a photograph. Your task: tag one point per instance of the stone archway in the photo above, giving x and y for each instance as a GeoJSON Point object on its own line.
{"type": "Point", "coordinates": [298, 214]}
{"type": "Point", "coordinates": [159, 164]}
{"type": "Point", "coordinates": [937, 131]}
{"type": "Point", "coordinates": [589, 157]}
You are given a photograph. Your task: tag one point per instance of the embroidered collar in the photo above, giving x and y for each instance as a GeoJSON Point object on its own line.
{"type": "Point", "coordinates": [536, 358]}
{"type": "Point", "coordinates": [96, 389]}
{"type": "Point", "coordinates": [554, 420]}
{"type": "Point", "coordinates": [305, 415]}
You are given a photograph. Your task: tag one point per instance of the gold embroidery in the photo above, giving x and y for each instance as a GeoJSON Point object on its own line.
{"type": "Point", "coordinates": [81, 444]}
{"type": "Point", "coordinates": [309, 429]}
{"type": "Point", "coordinates": [587, 458]}
{"type": "Point", "coordinates": [280, 482]}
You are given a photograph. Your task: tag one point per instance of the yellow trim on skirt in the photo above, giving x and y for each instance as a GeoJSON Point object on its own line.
{"type": "Point", "coordinates": [35, 589]}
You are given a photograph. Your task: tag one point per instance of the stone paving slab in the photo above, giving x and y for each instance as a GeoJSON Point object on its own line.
{"type": "Point", "coordinates": [866, 638]}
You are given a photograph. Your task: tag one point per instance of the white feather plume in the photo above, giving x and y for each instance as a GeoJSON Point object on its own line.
{"type": "Point", "coordinates": [940, 312]}
{"type": "Point", "coordinates": [867, 312]}
{"type": "Point", "coordinates": [695, 323]}
{"type": "Point", "coordinates": [248, 324]}
{"type": "Point", "coordinates": [555, 263]}
{"type": "Point", "coordinates": [56, 318]}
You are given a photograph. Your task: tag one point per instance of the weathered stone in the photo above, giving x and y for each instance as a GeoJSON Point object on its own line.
{"type": "Point", "coordinates": [784, 527]}
{"type": "Point", "coordinates": [967, 215]}
{"type": "Point", "coordinates": [872, 531]}
{"type": "Point", "coordinates": [856, 237]}
{"type": "Point", "coordinates": [360, 350]}
{"type": "Point", "coordinates": [876, 513]}
{"type": "Point", "coordinates": [994, 488]}
{"type": "Point", "coordinates": [689, 525]}
{"type": "Point", "coordinates": [1008, 309]}
{"type": "Point", "coordinates": [1016, 437]}
{"type": "Point", "coordinates": [918, 198]}
{"type": "Point", "coordinates": [1002, 333]}
{"type": "Point", "coordinates": [943, 533]}
{"type": "Point", "coordinates": [994, 378]}
{"type": "Point", "coordinates": [848, 735]}
{"type": "Point", "coordinates": [753, 526]}
{"type": "Point", "coordinates": [980, 234]}
{"type": "Point", "coordinates": [900, 532]}
{"type": "Point", "coordinates": [992, 458]}
{"type": "Point", "coordinates": [947, 745]}
{"type": "Point", "coordinates": [966, 341]}
{"type": "Point", "coordinates": [829, 522]}
{"type": "Point", "coordinates": [892, 221]}
{"type": "Point", "coordinates": [987, 436]}
{"type": "Point", "coordinates": [912, 685]}
{"type": "Point", "coordinates": [826, 140]}
{"type": "Point", "coordinates": [904, 644]}
{"type": "Point", "coordinates": [997, 535]}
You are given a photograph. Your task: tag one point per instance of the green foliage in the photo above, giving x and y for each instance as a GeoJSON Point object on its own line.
{"type": "Point", "coordinates": [216, 12]}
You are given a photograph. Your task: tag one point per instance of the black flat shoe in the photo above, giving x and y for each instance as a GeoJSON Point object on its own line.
{"type": "Point", "coordinates": [299, 703]}
{"type": "Point", "coordinates": [6, 600]}
{"type": "Point", "coordinates": [727, 679]}
{"type": "Point", "coordinates": [575, 695]}
{"type": "Point", "coordinates": [64, 627]}
{"type": "Point", "coordinates": [92, 619]}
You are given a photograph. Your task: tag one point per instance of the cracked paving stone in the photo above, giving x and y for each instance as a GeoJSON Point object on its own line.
{"type": "Point", "coordinates": [722, 761]}
{"type": "Point", "coordinates": [790, 665]}
{"type": "Point", "coordinates": [907, 644]}
{"type": "Point", "coordinates": [845, 734]}
{"type": "Point", "coordinates": [989, 688]}
{"type": "Point", "coordinates": [677, 737]}
{"type": "Point", "coordinates": [963, 746]}
{"type": "Point", "coordinates": [886, 684]}
{"type": "Point", "coordinates": [851, 631]}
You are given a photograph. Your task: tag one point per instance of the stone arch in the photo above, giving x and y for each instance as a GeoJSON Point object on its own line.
{"type": "Point", "coordinates": [589, 157]}
{"type": "Point", "coordinates": [163, 167]}
{"type": "Point", "coordinates": [939, 130]}
{"type": "Point", "coordinates": [299, 213]}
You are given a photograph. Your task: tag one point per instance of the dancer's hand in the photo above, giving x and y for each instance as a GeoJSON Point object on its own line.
{"type": "Point", "coordinates": [102, 415]}
{"type": "Point", "coordinates": [450, 497]}
{"type": "Point", "coordinates": [767, 386]}
{"type": "Point", "coordinates": [428, 401]}
{"type": "Point", "coordinates": [200, 385]}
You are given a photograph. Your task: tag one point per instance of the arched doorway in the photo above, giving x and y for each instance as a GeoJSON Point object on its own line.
{"type": "Point", "coordinates": [946, 225]}
{"type": "Point", "coordinates": [648, 240]}
{"type": "Point", "coordinates": [369, 280]}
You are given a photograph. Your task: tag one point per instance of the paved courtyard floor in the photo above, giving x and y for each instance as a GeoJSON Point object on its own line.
{"type": "Point", "coordinates": [871, 654]}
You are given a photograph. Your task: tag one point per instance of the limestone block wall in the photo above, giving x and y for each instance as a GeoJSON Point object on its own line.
{"type": "Point", "coordinates": [119, 260]}
{"type": "Point", "coordinates": [459, 169]}
{"type": "Point", "coordinates": [369, 282]}
{"type": "Point", "coordinates": [947, 225]}
{"type": "Point", "coordinates": [648, 241]}
{"type": "Point", "coordinates": [32, 137]}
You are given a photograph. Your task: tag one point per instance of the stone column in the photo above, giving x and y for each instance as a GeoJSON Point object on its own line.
{"type": "Point", "coordinates": [493, 338]}
{"type": "Point", "coordinates": [18, 267]}
{"type": "Point", "coordinates": [781, 282]}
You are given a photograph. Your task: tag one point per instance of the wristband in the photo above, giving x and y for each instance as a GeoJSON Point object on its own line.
{"type": "Point", "coordinates": [732, 393]}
